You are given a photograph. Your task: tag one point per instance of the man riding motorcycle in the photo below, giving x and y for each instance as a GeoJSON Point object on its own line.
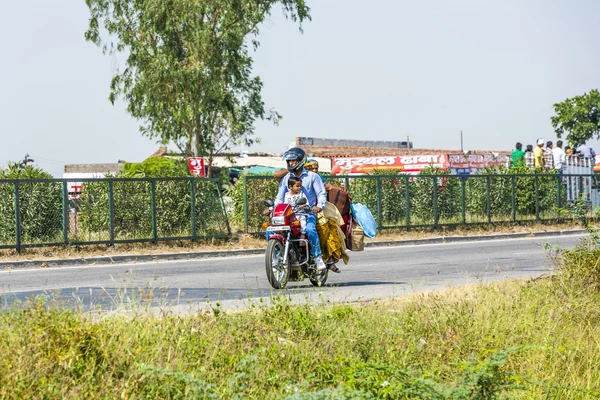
{"type": "Point", "coordinates": [314, 191]}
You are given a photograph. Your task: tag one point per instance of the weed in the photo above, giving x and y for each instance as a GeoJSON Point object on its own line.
{"type": "Point", "coordinates": [516, 339]}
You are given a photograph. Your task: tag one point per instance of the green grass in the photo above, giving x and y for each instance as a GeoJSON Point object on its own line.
{"type": "Point", "coordinates": [532, 339]}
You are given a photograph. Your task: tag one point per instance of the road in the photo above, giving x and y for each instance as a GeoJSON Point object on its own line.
{"type": "Point", "coordinates": [235, 282]}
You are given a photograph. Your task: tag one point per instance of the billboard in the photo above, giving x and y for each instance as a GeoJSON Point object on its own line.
{"type": "Point", "coordinates": [407, 164]}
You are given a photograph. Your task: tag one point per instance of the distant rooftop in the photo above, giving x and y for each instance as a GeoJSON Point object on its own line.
{"type": "Point", "coordinates": [308, 141]}
{"type": "Point", "coordinates": [93, 168]}
{"type": "Point", "coordinates": [340, 148]}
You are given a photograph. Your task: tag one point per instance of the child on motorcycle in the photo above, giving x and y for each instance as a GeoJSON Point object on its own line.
{"type": "Point", "coordinates": [292, 197]}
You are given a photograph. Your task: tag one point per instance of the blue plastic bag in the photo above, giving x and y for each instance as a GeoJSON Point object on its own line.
{"type": "Point", "coordinates": [365, 219]}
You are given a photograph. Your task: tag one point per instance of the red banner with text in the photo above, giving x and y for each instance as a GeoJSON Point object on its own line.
{"type": "Point", "coordinates": [407, 164]}
{"type": "Point", "coordinates": [196, 165]}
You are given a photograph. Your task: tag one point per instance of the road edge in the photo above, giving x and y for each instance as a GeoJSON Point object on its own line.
{"type": "Point", "coordinates": [197, 255]}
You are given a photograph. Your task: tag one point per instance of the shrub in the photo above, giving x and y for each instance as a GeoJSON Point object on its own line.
{"type": "Point", "coordinates": [581, 265]}
{"type": "Point", "coordinates": [258, 190]}
{"type": "Point", "coordinates": [40, 206]}
{"type": "Point", "coordinates": [133, 203]}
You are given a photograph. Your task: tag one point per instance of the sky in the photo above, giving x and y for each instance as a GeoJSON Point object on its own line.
{"type": "Point", "coordinates": [375, 70]}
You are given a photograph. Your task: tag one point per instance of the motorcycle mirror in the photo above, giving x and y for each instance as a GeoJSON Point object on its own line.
{"type": "Point", "coordinates": [269, 203]}
{"type": "Point", "coordinates": [302, 201]}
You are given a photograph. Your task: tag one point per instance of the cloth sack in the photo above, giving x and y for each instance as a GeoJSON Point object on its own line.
{"type": "Point", "coordinates": [355, 236]}
{"type": "Point", "coordinates": [365, 219]}
{"type": "Point", "coordinates": [332, 239]}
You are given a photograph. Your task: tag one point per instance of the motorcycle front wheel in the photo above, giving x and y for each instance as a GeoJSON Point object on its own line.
{"type": "Point", "coordinates": [278, 274]}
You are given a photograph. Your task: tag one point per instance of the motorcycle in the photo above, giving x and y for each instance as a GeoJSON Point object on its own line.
{"type": "Point", "coordinates": [287, 257]}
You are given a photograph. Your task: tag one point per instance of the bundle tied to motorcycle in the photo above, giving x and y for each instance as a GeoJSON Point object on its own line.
{"type": "Point", "coordinates": [306, 235]}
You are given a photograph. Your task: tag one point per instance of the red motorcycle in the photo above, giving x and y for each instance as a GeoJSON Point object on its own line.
{"type": "Point", "coordinates": [288, 253]}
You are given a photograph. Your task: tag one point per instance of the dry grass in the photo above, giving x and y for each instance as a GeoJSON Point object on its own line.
{"type": "Point", "coordinates": [244, 241]}
{"type": "Point", "coordinates": [514, 339]}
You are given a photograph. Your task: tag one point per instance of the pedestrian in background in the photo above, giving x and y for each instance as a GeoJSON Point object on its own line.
{"type": "Point", "coordinates": [559, 157]}
{"type": "Point", "coordinates": [538, 154]}
{"type": "Point", "coordinates": [548, 157]}
{"type": "Point", "coordinates": [517, 156]}
{"type": "Point", "coordinates": [528, 157]}
{"type": "Point", "coordinates": [587, 152]}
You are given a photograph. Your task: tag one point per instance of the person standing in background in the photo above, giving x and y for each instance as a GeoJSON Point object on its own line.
{"type": "Point", "coordinates": [559, 157]}
{"type": "Point", "coordinates": [517, 156]}
{"type": "Point", "coordinates": [538, 154]}
{"type": "Point", "coordinates": [528, 157]}
{"type": "Point", "coordinates": [548, 157]}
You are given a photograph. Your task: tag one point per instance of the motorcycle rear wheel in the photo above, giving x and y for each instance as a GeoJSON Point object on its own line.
{"type": "Point", "coordinates": [320, 279]}
{"type": "Point", "coordinates": [278, 274]}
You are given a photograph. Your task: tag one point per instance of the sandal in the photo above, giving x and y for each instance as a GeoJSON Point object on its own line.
{"type": "Point", "coordinates": [334, 268]}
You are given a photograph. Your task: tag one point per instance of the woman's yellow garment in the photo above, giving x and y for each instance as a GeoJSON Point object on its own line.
{"type": "Point", "coordinates": [333, 244]}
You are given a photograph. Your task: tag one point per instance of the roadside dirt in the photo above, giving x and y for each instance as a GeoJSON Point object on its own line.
{"type": "Point", "coordinates": [244, 241]}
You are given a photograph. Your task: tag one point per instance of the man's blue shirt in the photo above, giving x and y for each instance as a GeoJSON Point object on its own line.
{"type": "Point", "coordinates": [312, 186]}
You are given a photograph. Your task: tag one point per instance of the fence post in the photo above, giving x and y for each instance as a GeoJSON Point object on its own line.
{"type": "Point", "coordinates": [464, 200]}
{"type": "Point", "coordinates": [17, 217]}
{"type": "Point", "coordinates": [514, 199]}
{"type": "Point", "coordinates": [379, 219]}
{"type": "Point", "coordinates": [111, 212]}
{"type": "Point", "coordinates": [489, 199]}
{"type": "Point", "coordinates": [347, 182]}
{"type": "Point", "coordinates": [558, 202]}
{"type": "Point", "coordinates": [65, 206]}
{"type": "Point", "coordinates": [223, 207]}
{"type": "Point", "coordinates": [435, 202]}
{"type": "Point", "coordinates": [537, 199]}
{"type": "Point", "coordinates": [193, 207]}
{"type": "Point", "coordinates": [153, 205]}
{"type": "Point", "coordinates": [245, 196]}
{"type": "Point", "coordinates": [407, 197]}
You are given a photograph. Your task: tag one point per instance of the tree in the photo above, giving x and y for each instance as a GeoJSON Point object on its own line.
{"type": "Point", "coordinates": [188, 75]}
{"type": "Point", "coordinates": [578, 118]}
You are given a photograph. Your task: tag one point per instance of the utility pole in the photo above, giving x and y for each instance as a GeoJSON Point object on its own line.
{"type": "Point", "coordinates": [461, 142]}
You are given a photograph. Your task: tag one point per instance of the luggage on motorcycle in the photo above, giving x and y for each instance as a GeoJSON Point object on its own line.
{"type": "Point", "coordinates": [364, 217]}
{"type": "Point", "coordinates": [355, 236]}
{"type": "Point", "coordinates": [340, 198]}
{"type": "Point", "coordinates": [331, 212]}
{"type": "Point", "coordinates": [330, 235]}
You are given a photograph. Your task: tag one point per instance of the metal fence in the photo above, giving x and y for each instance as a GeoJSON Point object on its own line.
{"type": "Point", "coordinates": [417, 201]}
{"type": "Point", "coordinates": [43, 212]}
{"type": "Point", "coordinates": [37, 212]}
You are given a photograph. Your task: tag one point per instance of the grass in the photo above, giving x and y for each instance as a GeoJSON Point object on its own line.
{"type": "Point", "coordinates": [531, 339]}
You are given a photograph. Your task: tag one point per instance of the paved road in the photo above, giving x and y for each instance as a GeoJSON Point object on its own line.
{"type": "Point", "coordinates": [235, 281]}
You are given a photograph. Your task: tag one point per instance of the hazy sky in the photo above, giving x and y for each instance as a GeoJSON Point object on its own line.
{"type": "Point", "coordinates": [377, 69]}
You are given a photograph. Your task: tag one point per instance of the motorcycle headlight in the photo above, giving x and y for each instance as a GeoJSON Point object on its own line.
{"type": "Point", "coordinates": [278, 220]}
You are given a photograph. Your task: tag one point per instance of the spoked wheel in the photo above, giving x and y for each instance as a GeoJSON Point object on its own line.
{"type": "Point", "coordinates": [319, 278]}
{"type": "Point", "coordinates": [278, 274]}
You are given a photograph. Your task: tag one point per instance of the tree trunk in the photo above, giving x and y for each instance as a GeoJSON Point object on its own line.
{"type": "Point", "coordinates": [195, 145]}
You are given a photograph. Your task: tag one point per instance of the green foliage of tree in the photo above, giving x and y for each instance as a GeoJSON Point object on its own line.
{"type": "Point", "coordinates": [188, 75]}
{"type": "Point", "coordinates": [578, 118]}
{"type": "Point", "coordinates": [40, 206]}
{"type": "Point", "coordinates": [155, 167]}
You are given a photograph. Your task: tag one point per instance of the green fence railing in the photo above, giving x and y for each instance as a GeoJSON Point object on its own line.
{"type": "Point", "coordinates": [418, 201]}
{"type": "Point", "coordinates": [37, 212]}
{"type": "Point", "coordinates": [40, 212]}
